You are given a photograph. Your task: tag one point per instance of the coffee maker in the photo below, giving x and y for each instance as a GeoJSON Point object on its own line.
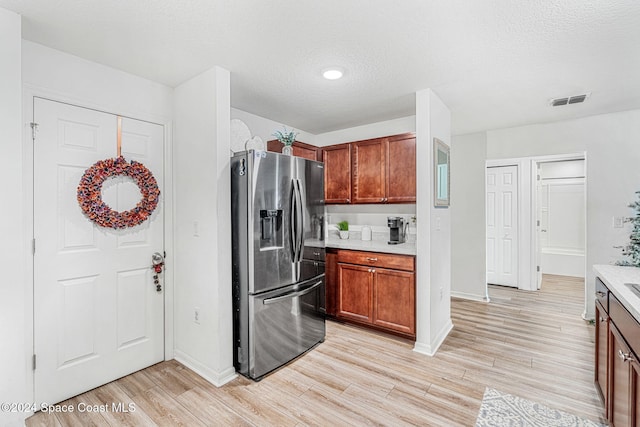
{"type": "Point", "coordinates": [397, 230]}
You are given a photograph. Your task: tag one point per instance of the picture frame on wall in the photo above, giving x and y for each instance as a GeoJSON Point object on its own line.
{"type": "Point", "coordinates": [441, 173]}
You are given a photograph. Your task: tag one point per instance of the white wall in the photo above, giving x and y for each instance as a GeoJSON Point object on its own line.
{"type": "Point", "coordinates": [373, 130]}
{"type": "Point", "coordinates": [371, 215]}
{"type": "Point", "coordinates": [613, 175]}
{"type": "Point", "coordinates": [264, 128]}
{"type": "Point", "coordinates": [14, 366]}
{"type": "Point", "coordinates": [468, 216]}
{"type": "Point", "coordinates": [203, 215]}
{"type": "Point", "coordinates": [433, 246]}
{"type": "Point", "coordinates": [93, 85]}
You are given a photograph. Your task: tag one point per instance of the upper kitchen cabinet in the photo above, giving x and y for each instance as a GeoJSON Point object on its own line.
{"type": "Point", "coordinates": [401, 169]}
{"type": "Point", "coordinates": [337, 174]}
{"type": "Point", "coordinates": [300, 149]}
{"type": "Point", "coordinates": [384, 170]}
{"type": "Point", "coordinates": [369, 171]}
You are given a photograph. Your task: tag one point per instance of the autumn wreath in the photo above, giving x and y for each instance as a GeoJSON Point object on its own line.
{"type": "Point", "coordinates": [90, 193]}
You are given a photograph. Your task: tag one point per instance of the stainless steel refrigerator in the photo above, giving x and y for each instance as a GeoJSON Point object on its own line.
{"type": "Point", "coordinates": [277, 204]}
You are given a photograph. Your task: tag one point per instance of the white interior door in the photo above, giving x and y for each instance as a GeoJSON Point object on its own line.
{"type": "Point", "coordinates": [542, 216]}
{"type": "Point", "coordinates": [97, 313]}
{"type": "Point", "coordinates": [502, 225]}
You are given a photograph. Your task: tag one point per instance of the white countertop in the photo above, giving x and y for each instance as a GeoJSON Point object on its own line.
{"type": "Point", "coordinates": [375, 245]}
{"type": "Point", "coordinates": [615, 278]}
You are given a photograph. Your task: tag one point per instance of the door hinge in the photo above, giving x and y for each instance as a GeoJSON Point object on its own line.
{"type": "Point", "coordinates": [164, 254]}
{"type": "Point", "coordinates": [34, 362]}
{"type": "Point", "coordinates": [538, 268]}
{"type": "Point", "coordinates": [538, 177]}
{"type": "Point", "coordinates": [33, 246]}
{"type": "Point", "coordinates": [538, 222]}
{"type": "Point", "coordinates": [34, 130]}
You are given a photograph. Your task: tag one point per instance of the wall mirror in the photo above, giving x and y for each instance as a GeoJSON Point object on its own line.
{"type": "Point", "coordinates": [441, 173]}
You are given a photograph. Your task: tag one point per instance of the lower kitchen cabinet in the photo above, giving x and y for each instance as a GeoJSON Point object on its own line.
{"type": "Point", "coordinates": [394, 300]}
{"type": "Point", "coordinates": [377, 290]}
{"type": "Point", "coordinates": [355, 286]}
{"type": "Point", "coordinates": [331, 281]}
{"type": "Point", "coordinates": [602, 352]}
{"type": "Point", "coordinates": [617, 369]}
{"type": "Point", "coordinates": [623, 382]}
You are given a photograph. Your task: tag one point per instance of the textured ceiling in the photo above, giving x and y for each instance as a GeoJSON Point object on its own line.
{"type": "Point", "coordinates": [495, 63]}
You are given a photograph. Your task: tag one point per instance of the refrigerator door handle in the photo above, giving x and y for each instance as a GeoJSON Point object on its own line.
{"type": "Point", "coordinates": [293, 238]}
{"type": "Point", "coordinates": [299, 222]}
{"type": "Point", "coordinates": [291, 294]}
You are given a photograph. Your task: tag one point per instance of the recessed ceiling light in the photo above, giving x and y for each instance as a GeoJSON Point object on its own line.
{"type": "Point", "coordinates": [332, 73]}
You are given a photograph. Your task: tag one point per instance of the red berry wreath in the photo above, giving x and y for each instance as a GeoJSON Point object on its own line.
{"type": "Point", "coordinates": [90, 193]}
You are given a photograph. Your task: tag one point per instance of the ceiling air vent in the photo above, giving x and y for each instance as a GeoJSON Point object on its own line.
{"type": "Point", "coordinates": [569, 100]}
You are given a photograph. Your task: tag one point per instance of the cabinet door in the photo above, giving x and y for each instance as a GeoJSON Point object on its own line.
{"type": "Point", "coordinates": [355, 284]}
{"type": "Point", "coordinates": [602, 334]}
{"type": "Point", "coordinates": [305, 151]}
{"type": "Point", "coordinates": [300, 149]}
{"type": "Point", "coordinates": [331, 282]}
{"type": "Point", "coordinates": [369, 171]}
{"type": "Point", "coordinates": [337, 174]}
{"type": "Point", "coordinates": [401, 169]}
{"type": "Point", "coordinates": [619, 379]}
{"type": "Point", "coordinates": [635, 393]}
{"type": "Point", "coordinates": [394, 303]}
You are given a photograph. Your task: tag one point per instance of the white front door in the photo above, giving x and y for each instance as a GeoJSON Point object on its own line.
{"type": "Point", "coordinates": [502, 225]}
{"type": "Point", "coordinates": [97, 313]}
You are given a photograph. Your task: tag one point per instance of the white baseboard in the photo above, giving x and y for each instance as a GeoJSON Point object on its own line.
{"type": "Point", "coordinates": [472, 297]}
{"type": "Point", "coordinates": [218, 379]}
{"type": "Point", "coordinates": [431, 349]}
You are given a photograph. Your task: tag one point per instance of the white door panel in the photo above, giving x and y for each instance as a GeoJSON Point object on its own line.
{"type": "Point", "coordinates": [97, 314]}
{"type": "Point", "coordinates": [502, 225]}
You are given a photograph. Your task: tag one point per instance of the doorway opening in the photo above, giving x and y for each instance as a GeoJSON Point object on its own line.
{"type": "Point", "coordinates": [535, 220]}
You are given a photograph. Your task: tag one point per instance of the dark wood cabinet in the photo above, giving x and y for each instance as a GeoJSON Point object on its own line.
{"type": "Point", "coordinates": [300, 149]}
{"type": "Point", "coordinates": [382, 170]}
{"type": "Point", "coordinates": [369, 170]}
{"type": "Point", "coordinates": [377, 290]}
{"type": "Point", "coordinates": [401, 169]}
{"type": "Point", "coordinates": [602, 352]}
{"type": "Point", "coordinates": [337, 174]}
{"type": "Point", "coordinates": [619, 380]}
{"type": "Point", "coordinates": [635, 393]}
{"type": "Point", "coordinates": [394, 300]}
{"type": "Point", "coordinates": [354, 293]}
{"type": "Point", "coordinates": [331, 281]}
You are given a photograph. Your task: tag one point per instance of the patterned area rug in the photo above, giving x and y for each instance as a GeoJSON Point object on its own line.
{"type": "Point", "coordinates": [502, 409]}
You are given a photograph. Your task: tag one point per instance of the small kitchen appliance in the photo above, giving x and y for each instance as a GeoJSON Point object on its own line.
{"type": "Point", "coordinates": [397, 230]}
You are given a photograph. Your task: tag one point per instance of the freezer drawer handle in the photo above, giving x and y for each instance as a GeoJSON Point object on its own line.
{"type": "Point", "coordinates": [292, 294]}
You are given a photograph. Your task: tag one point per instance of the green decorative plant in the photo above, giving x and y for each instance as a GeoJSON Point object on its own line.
{"type": "Point", "coordinates": [286, 137]}
{"type": "Point", "coordinates": [632, 249]}
{"type": "Point", "coordinates": [343, 226]}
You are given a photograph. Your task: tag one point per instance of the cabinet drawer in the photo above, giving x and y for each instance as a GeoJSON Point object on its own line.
{"type": "Point", "coordinates": [376, 259]}
{"type": "Point", "coordinates": [602, 294]}
{"type": "Point", "coordinates": [626, 324]}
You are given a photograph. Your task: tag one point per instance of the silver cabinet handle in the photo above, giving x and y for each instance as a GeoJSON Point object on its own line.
{"type": "Point", "coordinates": [601, 319]}
{"type": "Point", "coordinates": [372, 259]}
{"type": "Point", "coordinates": [600, 294]}
{"type": "Point", "coordinates": [625, 357]}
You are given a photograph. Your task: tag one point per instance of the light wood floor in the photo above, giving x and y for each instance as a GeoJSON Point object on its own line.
{"type": "Point", "coordinates": [534, 345]}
